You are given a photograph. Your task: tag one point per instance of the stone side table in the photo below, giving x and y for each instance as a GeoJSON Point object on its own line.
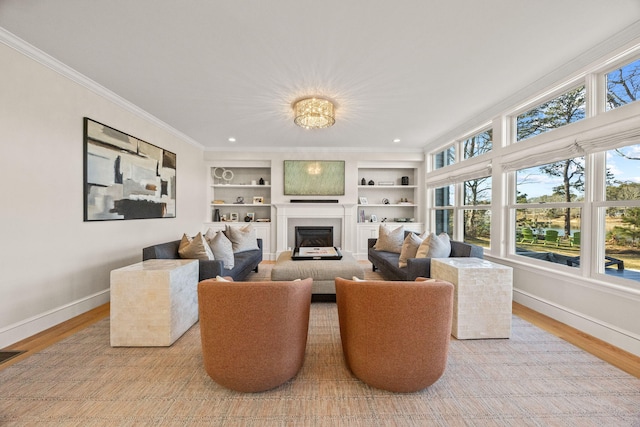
{"type": "Point", "coordinates": [153, 302]}
{"type": "Point", "coordinates": [483, 293]}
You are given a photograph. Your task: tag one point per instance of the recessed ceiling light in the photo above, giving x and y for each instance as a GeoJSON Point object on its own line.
{"type": "Point", "coordinates": [232, 139]}
{"type": "Point", "coordinates": [395, 141]}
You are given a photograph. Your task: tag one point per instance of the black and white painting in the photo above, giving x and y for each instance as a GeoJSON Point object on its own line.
{"type": "Point", "coordinates": [125, 177]}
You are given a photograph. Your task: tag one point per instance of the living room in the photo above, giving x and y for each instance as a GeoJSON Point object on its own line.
{"type": "Point", "coordinates": [57, 266]}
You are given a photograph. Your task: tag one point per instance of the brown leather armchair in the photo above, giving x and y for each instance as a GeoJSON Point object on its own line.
{"type": "Point", "coordinates": [253, 334]}
{"type": "Point", "coordinates": [395, 334]}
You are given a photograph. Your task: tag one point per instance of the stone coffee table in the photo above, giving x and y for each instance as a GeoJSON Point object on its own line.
{"type": "Point", "coordinates": [323, 272]}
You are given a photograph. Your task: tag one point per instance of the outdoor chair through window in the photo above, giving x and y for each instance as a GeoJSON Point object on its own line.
{"type": "Point", "coordinates": [528, 236]}
{"type": "Point", "coordinates": [551, 236]}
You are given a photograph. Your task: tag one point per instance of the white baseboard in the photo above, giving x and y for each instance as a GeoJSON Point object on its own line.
{"type": "Point", "coordinates": [613, 335]}
{"type": "Point", "coordinates": [35, 324]}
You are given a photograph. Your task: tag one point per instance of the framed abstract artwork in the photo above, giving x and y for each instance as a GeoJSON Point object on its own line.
{"type": "Point", "coordinates": [125, 177]}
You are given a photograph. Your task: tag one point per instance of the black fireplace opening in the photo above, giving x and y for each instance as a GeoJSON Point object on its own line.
{"type": "Point", "coordinates": [314, 236]}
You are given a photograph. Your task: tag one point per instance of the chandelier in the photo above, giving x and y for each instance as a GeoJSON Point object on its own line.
{"type": "Point", "coordinates": [314, 113]}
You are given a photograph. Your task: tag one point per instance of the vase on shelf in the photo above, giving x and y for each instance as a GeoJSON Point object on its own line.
{"type": "Point", "coordinates": [216, 215]}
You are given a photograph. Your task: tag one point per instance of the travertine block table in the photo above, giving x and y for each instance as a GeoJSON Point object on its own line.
{"type": "Point", "coordinates": [482, 296]}
{"type": "Point", "coordinates": [153, 302]}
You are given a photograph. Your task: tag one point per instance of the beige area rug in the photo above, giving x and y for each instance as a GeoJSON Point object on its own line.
{"type": "Point", "coordinates": [532, 379]}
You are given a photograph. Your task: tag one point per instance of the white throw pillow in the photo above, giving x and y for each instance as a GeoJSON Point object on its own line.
{"type": "Point", "coordinates": [242, 238]}
{"type": "Point", "coordinates": [410, 247]}
{"type": "Point", "coordinates": [389, 240]}
{"type": "Point", "coordinates": [435, 246]}
{"type": "Point", "coordinates": [221, 279]}
{"type": "Point", "coordinates": [221, 247]}
{"type": "Point", "coordinates": [194, 248]}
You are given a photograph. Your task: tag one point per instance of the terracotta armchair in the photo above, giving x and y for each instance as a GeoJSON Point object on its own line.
{"type": "Point", "coordinates": [395, 334]}
{"type": "Point", "coordinates": [253, 334]}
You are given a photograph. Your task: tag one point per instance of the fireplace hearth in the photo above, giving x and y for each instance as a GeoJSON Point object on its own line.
{"type": "Point", "coordinates": [314, 236]}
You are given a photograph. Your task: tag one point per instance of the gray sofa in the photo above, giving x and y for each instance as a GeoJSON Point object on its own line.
{"type": "Point", "coordinates": [244, 262]}
{"type": "Point", "coordinates": [387, 262]}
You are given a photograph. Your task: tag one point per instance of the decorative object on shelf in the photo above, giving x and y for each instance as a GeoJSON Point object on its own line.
{"type": "Point", "coordinates": [266, 182]}
{"type": "Point", "coordinates": [263, 220]}
{"type": "Point", "coordinates": [385, 183]}
{"type": "Point", "coordinates": [385, 201]}
{"type": "Point", "coordinates": [253, 182]}
{"type": "Point", "coordinates": [363, 182]}
{"type": "Point", "coordinates": [258, 200]}
{"type": "Point", "coordinates": [227, 175]}
{"type": "Point", "coordinates": [233, 216]}
{"type": "Point", "coordinates": [314, 113]}
{"type": "Point", "coordinates": [363, 201]}
{"type": "Point", "coordinates": [251, 216]}
{"type": "Point", "coordinates": [218, 202]}
{"type": "Point", "coordinates": [223, 218]}
{"type": "Point", "coordinates": [374, 218]}
{"type": "Point", "coordinates": [216, 215]}
{"type": "Point", "coordinates": [261, 182]}
{"type": "Point", "coordinates": [362, 215]}
{"type": "Point", "coordinates": [216, 173]}
{"type": "Point", "coordinates": [239, 200]}
{"type": "Point", "coordinates": [404, 180]}
{"type": "Point", "coordinates": [371, 182]}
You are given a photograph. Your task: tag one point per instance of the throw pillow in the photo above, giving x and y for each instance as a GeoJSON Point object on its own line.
{"type": "Point", "coordinates": [221, 279]}
{"type": "Point", "coordinates": [357, 279]}
{"type": "Point", "coordinates": [221, 247]}
{"type": "Point", "coordinates": [435, 246]}
{"type": "Point", "coordinates": [409, 248]}
{"type": "Point", "coordinates": [194, 248]}
{"type": "Point", "coordinates": [389, 240]}
{"type": "Point", "coordinates": [242, 238]}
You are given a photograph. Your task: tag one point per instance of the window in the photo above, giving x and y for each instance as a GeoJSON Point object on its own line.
{"type": "Point", "coordinates": [444, 197]}
{"type": "Point", "coordinates": [478, 144]}
{"type": "Point", "coordinates": [623, 85]}
{"type": "Point", "coordinates": [477, 220]}
{"type": "Point", "coordinates": [445, 158]}
{"type": "Point", "coordinates": [565, 109]}
{"type": "Point", "coordinates": [622, 210]}
{"type": "Point", "coordinates": [548, 211]}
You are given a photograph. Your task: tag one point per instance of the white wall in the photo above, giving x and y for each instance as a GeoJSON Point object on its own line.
{"type": "Point", "coordinates": [53, 265]}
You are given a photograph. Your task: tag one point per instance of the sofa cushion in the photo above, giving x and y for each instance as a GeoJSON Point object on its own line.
{"type": "Point", "coordinates": [435, 246]}
{"type": "Point", "coordinates": [242, 238]}
{"type": "Point", "coordinates": [194, 248]}
{"type": "Point", "coordinates": [390, 240]}
{"type": "Point", "coordinates": [410, 247]}
{"type": "Point", "coordinates": [221, 247]}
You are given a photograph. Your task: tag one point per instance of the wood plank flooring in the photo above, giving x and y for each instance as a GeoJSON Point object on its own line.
{"type": "Point", "coordinates": [613, 355]}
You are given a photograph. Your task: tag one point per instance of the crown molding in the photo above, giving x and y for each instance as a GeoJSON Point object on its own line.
{"type": "Point", "coordinates": [64, 70]}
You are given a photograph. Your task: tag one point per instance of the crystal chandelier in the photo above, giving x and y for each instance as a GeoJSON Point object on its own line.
{"type": "Point", "coordinates": [314, 113]}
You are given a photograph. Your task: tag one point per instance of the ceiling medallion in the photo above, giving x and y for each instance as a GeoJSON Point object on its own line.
{"type": "Point", "coordinates": [314, 113]}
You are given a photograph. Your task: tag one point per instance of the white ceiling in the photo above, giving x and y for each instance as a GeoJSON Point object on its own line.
{"type": "Point", "coordinates": [408, 69]}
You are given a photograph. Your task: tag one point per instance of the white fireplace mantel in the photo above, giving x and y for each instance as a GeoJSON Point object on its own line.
{"type": "Point", "coordinates": [345, 212]}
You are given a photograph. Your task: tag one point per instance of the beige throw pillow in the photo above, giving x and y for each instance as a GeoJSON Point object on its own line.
{"type": "Point", "coordinates": [410, 248]}
{"type": "Point", "coordinates": [242, 238]}
{"type": "Point", "coordinates": [221, 247]}
{"type": "Point", "coordinates": [389, 240]}
{"type": "Point", "coordinates": [435, 246]}
{"type": "Point", "coordinates": [194, 248]}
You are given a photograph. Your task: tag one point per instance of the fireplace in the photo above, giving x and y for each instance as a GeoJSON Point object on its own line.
{"type": "Point", "coordinates": [307, 236]}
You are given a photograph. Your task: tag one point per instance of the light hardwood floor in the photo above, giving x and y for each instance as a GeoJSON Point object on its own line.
{"type": "Point", "coordinates": [613, 355]}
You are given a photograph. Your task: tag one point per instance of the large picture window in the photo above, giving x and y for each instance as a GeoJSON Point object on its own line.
{"type": "Point", "coordinates": [478, 144]}
{"type": "Point", "coordinates": [622, 210]}
{"type": "Point", "coordinates": [549, 210]}
{"type": "Point", "coordinates": [623, 85]}
{"type": "Point", "coordinates": [477, 212]}
{"type": "Point", "coordinates": [560, 111]}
